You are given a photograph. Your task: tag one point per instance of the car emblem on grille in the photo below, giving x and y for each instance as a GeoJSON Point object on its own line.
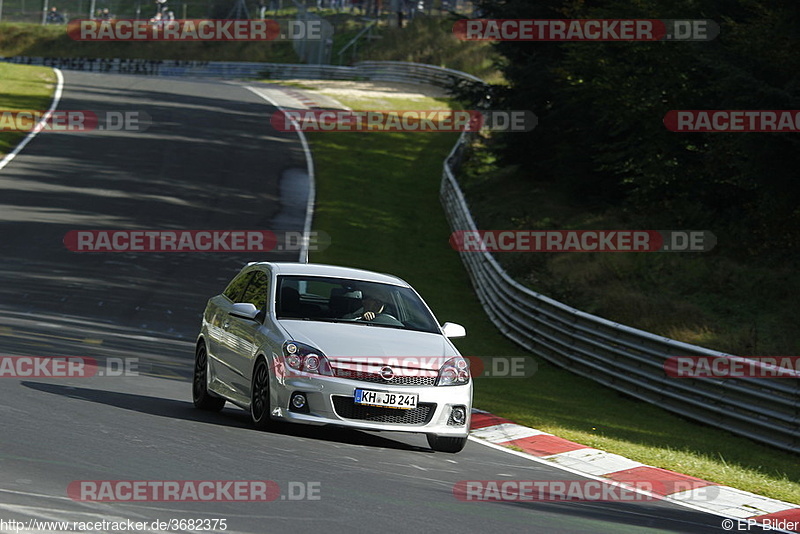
{"type": "Point", "coordinates": [387, 373]}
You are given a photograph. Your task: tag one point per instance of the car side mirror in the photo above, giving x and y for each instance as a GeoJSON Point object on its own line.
{"type": "Point", "coordinates": [453, 330]}
{"type": "Point", "coordinates": [245, 310]}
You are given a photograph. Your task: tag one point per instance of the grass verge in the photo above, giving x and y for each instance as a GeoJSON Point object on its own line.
{"type": "Point", "coordinates": [377, 197]}
{"type": "Point", "coordinates": [23, 88]}
{"type": "Point", "coordinates": [714, 299]}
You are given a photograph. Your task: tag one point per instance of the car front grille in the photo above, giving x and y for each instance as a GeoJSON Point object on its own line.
{"type": "Point", "coordinates": [347, 409]}
{"type": "Point", "coordinates": [378, 379]}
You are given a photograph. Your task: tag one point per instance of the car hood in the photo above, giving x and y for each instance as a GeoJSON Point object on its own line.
{"type": "Point", "coordinates": [343, 343]}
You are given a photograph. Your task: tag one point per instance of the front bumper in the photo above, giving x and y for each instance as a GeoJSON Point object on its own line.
{"type": "Point", "coordinates": [330, 402]}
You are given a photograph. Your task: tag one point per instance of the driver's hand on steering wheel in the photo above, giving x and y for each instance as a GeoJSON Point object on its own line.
{"type": "Point", "coordinates": [368, 316]}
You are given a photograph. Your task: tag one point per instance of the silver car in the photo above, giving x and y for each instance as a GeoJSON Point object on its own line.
{"type": "Point", "coordinates": [327, 345]}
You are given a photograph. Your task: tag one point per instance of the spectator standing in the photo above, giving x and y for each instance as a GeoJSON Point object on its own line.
{"type": "Point", "coordinates": [54, 17]}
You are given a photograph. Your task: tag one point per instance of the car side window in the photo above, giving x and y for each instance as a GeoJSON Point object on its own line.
{"type": "Point", "coordinates": [236, 287]}
{"type": "Point", "coordinates": [257, 291]}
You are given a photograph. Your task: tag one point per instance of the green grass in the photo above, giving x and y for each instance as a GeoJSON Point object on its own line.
{"type": "Point", "coordinates": [23, 88]}
{"type": "Point", "coordinates": [20, 39]}
{"type": "Point", "coordinates": [377, 197]}
{"type": "Point", "coordinates": [710, 299]}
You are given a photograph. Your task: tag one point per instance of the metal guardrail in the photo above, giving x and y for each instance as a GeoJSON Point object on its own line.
{"type": "Point", "coordinates": [401, 71]}
{"type": "Point", "coordinates": [624, 358]}
{"type": "Point", "coordinates": [395, 71]}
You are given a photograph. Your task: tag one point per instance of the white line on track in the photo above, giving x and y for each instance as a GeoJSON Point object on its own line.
{"type": "Point", "coordinates": [42, 122]}
{"type": "Point", "coordinates": [310, 169]}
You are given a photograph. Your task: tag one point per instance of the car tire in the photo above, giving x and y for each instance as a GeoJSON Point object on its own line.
{"type": "Point", "coordinates": [445, 443]}
{"type": "Point", "coordinates": [201, 397]}
{"type": "Point", "coordinates": [259, 396]}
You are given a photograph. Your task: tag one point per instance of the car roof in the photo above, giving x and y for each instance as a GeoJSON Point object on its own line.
{"type": "Point", "coordinates": [335, 271]}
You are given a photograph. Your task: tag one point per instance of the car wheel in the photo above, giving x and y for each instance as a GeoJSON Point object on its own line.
{"type": "Point", "coordinates": [202, 398]}
{"type": "Point", "coordinates": [259, 396]}
{"type": "Point", "coordinates": [445, 444]}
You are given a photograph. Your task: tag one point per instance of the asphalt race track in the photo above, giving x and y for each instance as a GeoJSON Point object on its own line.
{"type": "Point", "coordinates": [210, 160]}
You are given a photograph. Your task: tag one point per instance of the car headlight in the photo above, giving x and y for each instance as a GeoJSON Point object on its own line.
{"type": "Point", "coordinates": [305, 358]}
{"type": "Point", "coordinates": [454, 372]}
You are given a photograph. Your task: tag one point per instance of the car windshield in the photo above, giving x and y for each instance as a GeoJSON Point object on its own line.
{"type": "Point", "coordinates": [352, 301]}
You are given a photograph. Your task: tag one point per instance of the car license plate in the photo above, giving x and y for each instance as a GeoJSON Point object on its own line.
{"type": "Point", "coordinates": [386, 399]}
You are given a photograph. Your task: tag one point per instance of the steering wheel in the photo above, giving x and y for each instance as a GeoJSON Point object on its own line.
{"type": "Point", "coordinates": [382, 318]}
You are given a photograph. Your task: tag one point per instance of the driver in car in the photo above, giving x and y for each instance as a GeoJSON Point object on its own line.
{"type": "Point", "coordinates": [372, 308]}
